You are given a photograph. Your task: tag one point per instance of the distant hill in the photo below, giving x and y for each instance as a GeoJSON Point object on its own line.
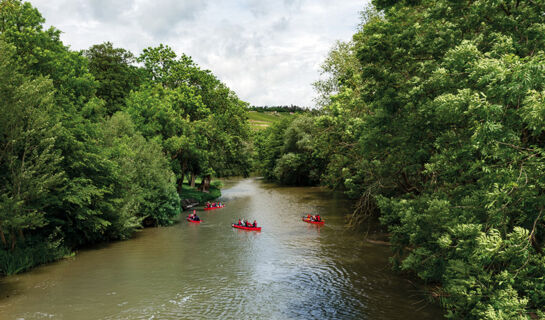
{"type": "Point", "coordinates": [290, 108]}
{"type": "Point", "coordinates": [261, 120]}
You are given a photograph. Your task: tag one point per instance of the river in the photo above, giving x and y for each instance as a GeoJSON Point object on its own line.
{"type": "Point", "coordinates": [289, 270]}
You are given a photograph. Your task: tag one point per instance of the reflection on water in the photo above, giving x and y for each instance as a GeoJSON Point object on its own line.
{"type": "Point", "coordinates": [289, 270]}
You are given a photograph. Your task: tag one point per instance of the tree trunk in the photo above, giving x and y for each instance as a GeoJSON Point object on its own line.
{"type": "Point", "coordinates": [21, 234]}
{"type": "Point", "coordinates": [13, 241]}
{"type": "Point", "coordinates": [3, 237]}
{"type": "Point", "coordinates": [193, 177]}
{"type": "Point", "coordinates": [205, 184]}
{"type": "Point", "coordinates": [180, 182]}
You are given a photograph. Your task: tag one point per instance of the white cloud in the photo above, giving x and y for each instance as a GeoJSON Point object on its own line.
{"type": "Point", "coordinates": [268, 52]}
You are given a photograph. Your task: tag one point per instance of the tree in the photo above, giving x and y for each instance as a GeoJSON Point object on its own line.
{"type": "Point", "coordinates": [146, 185]}
{"type": "Point", "coordinates": [115, 72]}
{"type": "Point", "coordinates": [443, 119]}
{"type": "Point", "coordinates": [211, 133]}
{"type": "Point", "coordinates": [29, 163]}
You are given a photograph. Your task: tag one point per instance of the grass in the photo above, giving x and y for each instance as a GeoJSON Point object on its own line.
{"type": "Point", "coordinates": [262, 120]}
{"type": "Point", "coordinates": [29, 254]}
{"type": "Point", "coordinates": [202, 197]}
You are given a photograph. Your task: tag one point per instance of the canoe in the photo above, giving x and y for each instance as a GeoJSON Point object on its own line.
{"type": "Point", "coordinates": [313, 222]}
{"type": "Point", "coordinates": [213, 208]}
{"type": "Point", "coordinates": [193, 221]}
{"type": "Point", "coordinates": [246, 228]}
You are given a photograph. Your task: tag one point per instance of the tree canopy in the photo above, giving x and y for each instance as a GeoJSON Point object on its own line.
{"type": "Point", "coordinates": [93, 144]}
{"type": "Point", "coordinates": [432, 120]}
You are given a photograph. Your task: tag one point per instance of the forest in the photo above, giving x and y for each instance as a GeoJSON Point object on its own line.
{"type": "Point", "coordinates": [433, 121]}
{"type": "Point", "coordinates": [290, 108]}
{"type": "Point", "coordinates": [95, 142]}
{"type": "Point", "coordinates": [431, 118]}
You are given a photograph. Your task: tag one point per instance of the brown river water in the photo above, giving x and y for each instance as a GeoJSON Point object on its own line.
{"type": "Point", "coordinates": [289, 270]}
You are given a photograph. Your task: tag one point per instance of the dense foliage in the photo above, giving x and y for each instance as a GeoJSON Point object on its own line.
{"type": "Point", "coordinates": [433, 119]}
{"type": "Point", "coordinates": [92, 145]}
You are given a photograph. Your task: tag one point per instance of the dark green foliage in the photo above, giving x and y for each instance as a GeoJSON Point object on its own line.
{"type": "Point", "coordinates": [200, 123]}
{"type": "Point", "coordinates": [73, 171]}
{"type": "Point", "coordinates": [114, 70]}
{"type": "Point", "coordinates": [434, 120]}
{"type": "Point", "coordinates": [29, 164]}
{"type": "Point", "coordinates": [201, 197]}
{"type": "Point", "coordinates": [287, 152]}
{"type": "Point", "coordinates": [145, 182]}
{"type": "Point", "coordinates": [30, 253]}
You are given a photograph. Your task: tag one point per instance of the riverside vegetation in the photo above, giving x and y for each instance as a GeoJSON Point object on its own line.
{"type": "Point", "coordinates": [92, 144]}
{"type": "Point", "coordinates": [433, 118]}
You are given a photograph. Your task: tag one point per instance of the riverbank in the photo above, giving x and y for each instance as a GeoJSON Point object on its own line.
{"type": "Point", "coordinates": [32, 253]}
{"type": "Point", "coordinates": [192, 193]}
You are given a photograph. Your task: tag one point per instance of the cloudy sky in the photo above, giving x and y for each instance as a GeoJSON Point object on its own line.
{"type": "Point", "coordinates": [268, 52]}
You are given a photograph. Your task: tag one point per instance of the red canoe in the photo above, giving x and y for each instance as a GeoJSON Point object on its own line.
{"type": "Point", "coordinates": [193, 221]}
{"type": "Point", "coordinates": [213, 208]}
{"type": "Point", "coordinates": [246, 228]}
{"type": "Point", "coordinates": [314, 222]}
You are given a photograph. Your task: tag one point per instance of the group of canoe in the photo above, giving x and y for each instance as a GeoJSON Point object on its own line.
{"type": "Point", "coordinates": [213, 205]}
{"type": "Point", "coordinates": [246, 225]}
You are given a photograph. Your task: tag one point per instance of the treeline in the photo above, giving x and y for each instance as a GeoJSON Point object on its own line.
{"type": "Point", "coordinates": [93, 143]}
{"type": "Point", "coordinates": [290, 108]}
{"type": "Point", "coordinates": [434, 120]}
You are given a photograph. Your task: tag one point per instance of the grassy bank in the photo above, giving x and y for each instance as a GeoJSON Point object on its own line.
{"type": "Point", "coordinates": [33, 252]}
{"type": "Point", "coordinates": [202, 197]}
{"type": "Point", "coordinates": [30, 253]}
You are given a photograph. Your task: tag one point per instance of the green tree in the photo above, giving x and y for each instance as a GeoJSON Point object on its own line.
{"type": "Point", "coordinates": [439, 131]}
{"type": "Point", "coordinates": [214, 136]}
{"type": "Point", "coordinates": [146, 186]}
{"type": "Point", "coordinates": [115, 72]}
{"type": "Point", "coordinates": [29, 163]}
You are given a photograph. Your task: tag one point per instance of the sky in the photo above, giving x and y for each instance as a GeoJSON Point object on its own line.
{"type": "Point", "coordinates": [268, 52]}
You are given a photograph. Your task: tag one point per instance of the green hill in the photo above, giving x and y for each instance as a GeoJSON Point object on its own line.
{"type": "Point", "coordinates": [261, 120]}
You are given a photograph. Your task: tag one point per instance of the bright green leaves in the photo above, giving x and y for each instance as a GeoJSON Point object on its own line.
{"type": "Point", "coordinates": [493, 294]}
{"type": "Point", "coordinates": [159, 63]}
{"type": "Point", "coordinates": [534, 112]}
{"type": "Point", "coordinates": [445, 128]}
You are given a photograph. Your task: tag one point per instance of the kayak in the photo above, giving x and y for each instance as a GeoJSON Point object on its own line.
{"type": "Point", "coordinates": [246, 228]}
{"type": "Point", "coordinates": [212, 208]}
{"type": "Point", "coordinates": [193, 221]}
{"type": "Point", "coordinates": [313, 222]}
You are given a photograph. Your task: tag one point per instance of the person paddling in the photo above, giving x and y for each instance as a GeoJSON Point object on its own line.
{"type": "Point", "coordinates": [194, 216]}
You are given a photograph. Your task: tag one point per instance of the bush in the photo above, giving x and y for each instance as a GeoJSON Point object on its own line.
{"type": "Point", "coordinates": [30, 253]}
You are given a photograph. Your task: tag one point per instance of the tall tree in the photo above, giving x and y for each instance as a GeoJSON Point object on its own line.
{"type": "Point", "coordinates": [115, 72]}
{"type": "Point", "coordinates": [443, 119]}
{"type": "Point", "coordinates": [29, 164]}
